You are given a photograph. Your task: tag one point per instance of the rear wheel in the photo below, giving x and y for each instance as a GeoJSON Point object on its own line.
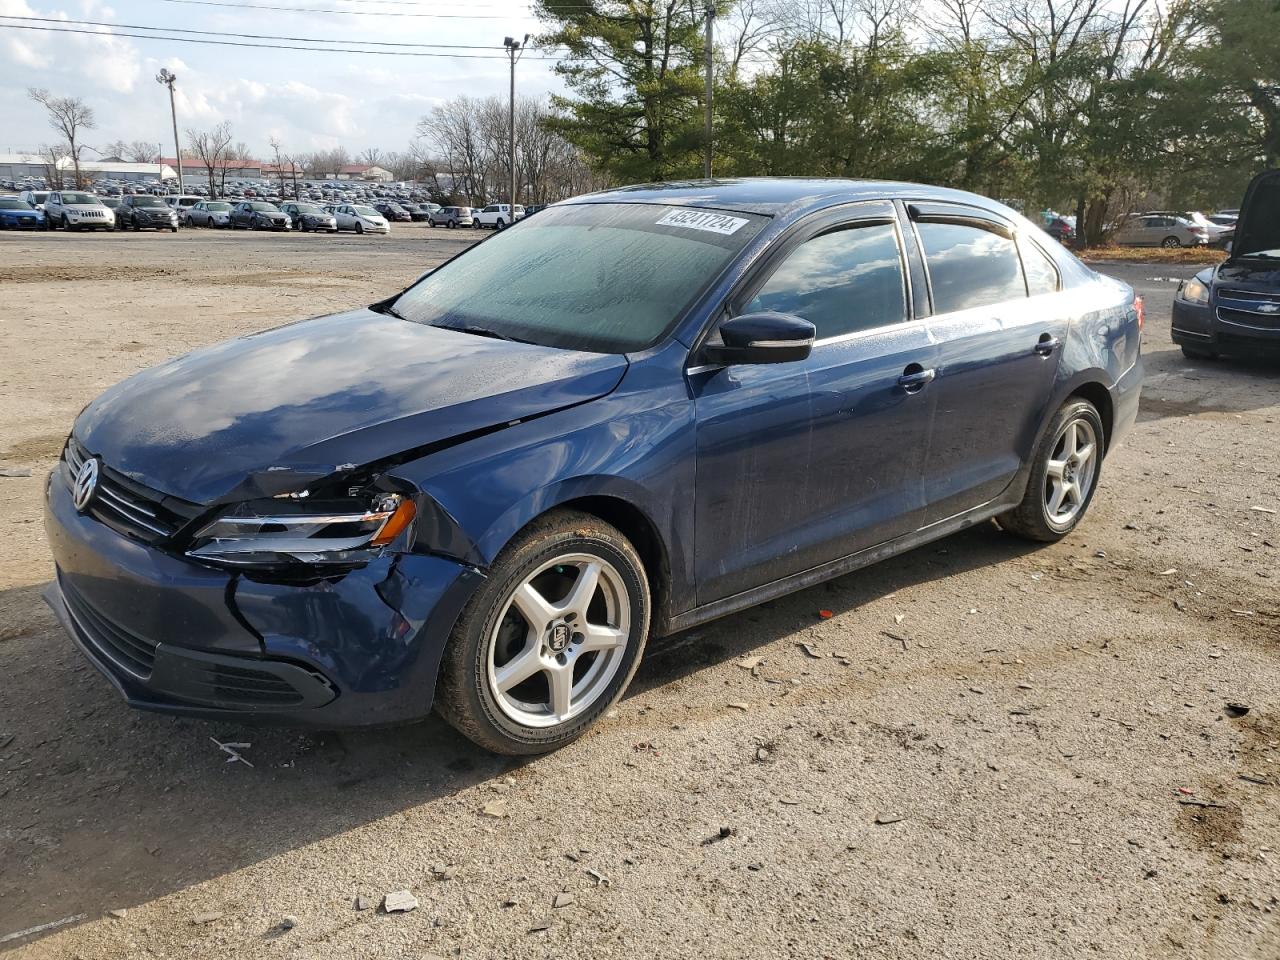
{"type": "Point", "coordinates": [1170, 242]}
{"type": "Point", "coordinates": [1063, 477]}
{"type": "Point", "coordinates": [550, 640]}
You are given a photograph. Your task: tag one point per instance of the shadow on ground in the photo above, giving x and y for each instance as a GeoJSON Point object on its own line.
{"type": "Point", "coordinates": [108, 808]}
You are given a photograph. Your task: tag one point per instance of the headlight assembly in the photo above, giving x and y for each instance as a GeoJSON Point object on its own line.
{"type": "Point", "coordinates": [1193, 291]}
{"type": "Point", "coordinates": [321, 531]}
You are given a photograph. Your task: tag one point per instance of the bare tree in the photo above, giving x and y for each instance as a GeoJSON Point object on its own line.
{"type": "Point", "coordinates": [139, 151]}
{"type": "Point", "coordinates": [68, 116]}
{"type": "Point", "coordinates": [373, 157]}
{"type": "Point", "coordinates": [52, 155]}
{"type": "Point", "coordinates": [212, 148]}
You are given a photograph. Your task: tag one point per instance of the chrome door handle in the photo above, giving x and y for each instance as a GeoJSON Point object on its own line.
{"type": "Point", "coordinates": [915, 378]}
{"type": "Point", "coordinates": [1047, 345]}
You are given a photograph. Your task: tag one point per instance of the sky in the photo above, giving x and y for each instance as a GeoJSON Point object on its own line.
{"type": "Point", "coordinates": [308, 100]}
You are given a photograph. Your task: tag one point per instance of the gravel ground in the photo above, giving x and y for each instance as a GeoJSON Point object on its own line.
{"type": "Point", "coordinates": [996, 750]}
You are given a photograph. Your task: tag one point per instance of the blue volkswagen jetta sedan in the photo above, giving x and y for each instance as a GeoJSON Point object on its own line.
{"type": "Point", "coordinates": [636, 412]}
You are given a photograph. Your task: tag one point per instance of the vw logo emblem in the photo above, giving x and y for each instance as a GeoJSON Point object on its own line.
{"type": "Point", "coordinates": [86, 483]}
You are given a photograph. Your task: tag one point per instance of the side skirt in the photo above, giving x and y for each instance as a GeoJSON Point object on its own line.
{"type": "Point", "coordinates": [838, 568]}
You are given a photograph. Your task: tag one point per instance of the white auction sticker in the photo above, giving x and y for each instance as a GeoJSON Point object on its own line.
{"type": "Point", "coordinates": [703, 220]}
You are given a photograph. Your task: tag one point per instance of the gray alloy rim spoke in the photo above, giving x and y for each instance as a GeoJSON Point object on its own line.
{"type": "Point", "coordinates": [559, 634]}
{"type": "Point", "coordinates": [1070, 471]}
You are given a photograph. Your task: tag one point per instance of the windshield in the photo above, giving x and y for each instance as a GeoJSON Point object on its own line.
{"type": "Point", "coordinates": [218, 206]}
{"type": "Point", "coordinates": [10, 203]}
{"type": "Point", "coordinates": [40, 197]}
{"type": "Point", "coordinates": [263, 207]}
{"type": "Point", "coordinates": [148, 202]}
{"type": "Point", "coordinates": [81, 198]}
{"type": "Point", "coordinates": [1261, 220]}
{"type": "Point", "coordinates": [308, 208]}
{"type": "Point", "coordinates": [607, 278]}
{"type": "Point", "coordinates": [367, 212]}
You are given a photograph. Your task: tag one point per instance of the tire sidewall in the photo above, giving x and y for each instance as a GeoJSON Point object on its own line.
{"type": "Point", "coordinates": [1076, 410]}
{"type": "Point", "coordinates": [466, 672]}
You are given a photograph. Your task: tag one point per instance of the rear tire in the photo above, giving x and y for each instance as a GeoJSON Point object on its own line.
{"type": "Point", "coordinates": [567, 653]}
{"type": "Point", "coordinates": [1170, 242]}
{"type": "Point", "coordinates": [1064, 475]}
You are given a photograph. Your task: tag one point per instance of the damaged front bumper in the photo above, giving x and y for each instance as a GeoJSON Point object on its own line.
{"type": "Point", "coordinates": [352, 649]}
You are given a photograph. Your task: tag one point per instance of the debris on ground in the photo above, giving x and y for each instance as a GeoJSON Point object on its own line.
{"type": "Point", "coordinates": [541, 925]}
{"type": "Point", "coordinates": [289, 922]}
{"type": "Point", "coordinates": [399, 901]}
{"type": "Point", "coordinates": [14, 472]}
{"type": "Point", "coordinates": [564, 899]}
{"type": "Point", "coordinates": [750, 663]}
{"type": "Point", "coordinates": [1236, 710]}
{"type": "Point", "coordinates": [200, 919]}
{"type": "Point", "coordinates": [600, 879]}
{"type": "Point", "coordinates": [233, 749]}
{"type": "Point", "coordinates": [884, 819]}
{"type": "Point", "coordinates": [826, 614]}
{"type": "Point", "coordinates": [724, 834]}
{"type": "Point", "coordinates": [118, 914]}
{"type": "Point", "coordinates": [364, 903]}
{"type": "Point", "coordinates": [810, 650]}
{"type": "Point", "coordinates": [495, 808]}
{"type": "Point", "coordinates": [738, 705]}
{"type": "Point", "coordinates": [442, 872]}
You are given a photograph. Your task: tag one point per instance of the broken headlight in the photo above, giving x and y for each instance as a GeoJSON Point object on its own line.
{"type": "Point", "coordinates": [314, 531]}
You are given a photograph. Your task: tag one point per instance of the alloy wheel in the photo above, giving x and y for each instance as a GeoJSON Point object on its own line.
{"type": "Point", "coordinates": [1071, 471]}
{"type": "Point", "coordinates": [559, 640]}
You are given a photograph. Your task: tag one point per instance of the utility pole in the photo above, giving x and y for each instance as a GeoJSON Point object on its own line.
{"type": "Point", "coordinates": [515, 50]}
{"type": "Point", "coordinates": [167, 78]}
{"type": "Point", "coordinates": [706, 160]}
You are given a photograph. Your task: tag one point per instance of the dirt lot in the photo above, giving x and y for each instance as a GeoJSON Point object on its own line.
{"type": "Point", "coordinates": [998, 751]}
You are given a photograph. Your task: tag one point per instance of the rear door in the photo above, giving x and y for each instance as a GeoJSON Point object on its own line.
{"type": "Point", "coordinates": [802, 463]}
{"type": "Point", "coordinates": [998, 352]}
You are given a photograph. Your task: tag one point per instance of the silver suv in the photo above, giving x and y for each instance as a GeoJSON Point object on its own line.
{"type": "Point", "coordinates": [74, 210]}
{"type": "Point", "coordinates": [451, 217]}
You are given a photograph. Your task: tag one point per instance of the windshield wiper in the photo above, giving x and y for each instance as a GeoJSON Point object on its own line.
{"type": "Point", "coordinates": [480, 331]}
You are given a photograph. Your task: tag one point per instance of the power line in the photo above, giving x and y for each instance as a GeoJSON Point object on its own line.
{"type": "Point", "coordinates": [248, 36]}
{"type": "Point", "coordinates": [263, 46]}
{"type": "Point", "coordinates": [346, 13]}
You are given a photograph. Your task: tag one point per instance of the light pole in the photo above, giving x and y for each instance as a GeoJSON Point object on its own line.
{"type": "Point", "coordinates": [167, 78]}
{"type": "Point", "coordinates": [515, 49]}
{"type": "Point", "coordinates": [706, 159]}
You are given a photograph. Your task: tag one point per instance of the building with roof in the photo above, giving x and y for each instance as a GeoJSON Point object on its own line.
{"type": "Point", "coordinates": [362, 171]}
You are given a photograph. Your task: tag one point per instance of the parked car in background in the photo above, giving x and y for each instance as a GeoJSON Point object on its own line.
{"type": "Point", "coordinates": [208, 213]}
{"type": "Point", "coordinates": [463, 494]}
{"type": "Point", "coordinates": [309, 217]}
{"type": "Point", "coordinates": [418, 212]}
{"type": "Point", "coordinates": [360, 218]}
{"type": "Point", "coordinates": [1234, 307]}
{"type": "Point", "coordinates": [497, 216]}
{"type": "Point", "coordinates": [258, 215]}
{"type": "Point", "coordinates": [1160, 230]}
{"type": "Point", "coordinates": [35, 198]}
{"type": "Point", "coordinates": [392, 211]}
{"type": "Point", "coordinates": [75, 210]}
{"type": "Point", "coordinates": [143, 211]}
{"type": "Point", "coordinates": [180, 202]}
{"type": "Point", "coordinates": [1212, 230]}
{"type": "Point", "coordinates": [17, 214]}
{"type": "Point", "coordinates": [451, 217]}
{"type": "Point", "coordinates": [1061, 229]}
{"type": "Point", "coordinates": [533, 208]}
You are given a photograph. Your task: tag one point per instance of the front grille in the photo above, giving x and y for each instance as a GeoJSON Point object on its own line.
{"type": "Point", "coordinates": [127, 506]}
{"type": "Point", "coordinates": [1255, 309]}
{"type": "Point", "coordinates": [131, 653]}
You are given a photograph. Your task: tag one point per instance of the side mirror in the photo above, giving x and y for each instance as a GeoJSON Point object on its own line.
{"type": "Point", "coordinates": [765, 337]}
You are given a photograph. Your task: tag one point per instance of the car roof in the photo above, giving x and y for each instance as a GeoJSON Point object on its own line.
{"type": "Point", "coordinates": [782, 196]}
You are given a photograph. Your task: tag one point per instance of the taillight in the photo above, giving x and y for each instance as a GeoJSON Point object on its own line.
{"type": "Point", "coordinates": [1140, 309]}
{"type": "Point", "coordinates": [1198, 231]}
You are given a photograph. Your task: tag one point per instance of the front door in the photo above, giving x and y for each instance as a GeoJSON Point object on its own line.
{"type": "Point", "coordinates": [805, 462]}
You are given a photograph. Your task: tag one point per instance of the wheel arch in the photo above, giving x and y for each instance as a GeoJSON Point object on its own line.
{"type": "Point", "coordinates": [1097, 394]}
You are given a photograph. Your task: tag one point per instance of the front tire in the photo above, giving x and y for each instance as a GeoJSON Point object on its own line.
{"type": "Point", "coordinates": [1170, 242]}
{"type": "Point", "coordinates": [1064, 475]}
{"type": "Point", "coordinates": [551, 638]}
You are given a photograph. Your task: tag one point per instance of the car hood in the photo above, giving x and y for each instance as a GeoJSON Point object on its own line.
{"type": "Point", "coordinates": [1258, 227]}
{"type": "Point", "coordinates": [274, 411]}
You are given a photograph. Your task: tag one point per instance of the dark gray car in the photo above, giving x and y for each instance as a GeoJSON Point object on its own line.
{"type": "Point", "coordinates": [258, 215]}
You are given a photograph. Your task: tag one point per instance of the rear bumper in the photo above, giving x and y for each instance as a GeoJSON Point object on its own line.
{"type": "Point", "coordinates": [177, 637]}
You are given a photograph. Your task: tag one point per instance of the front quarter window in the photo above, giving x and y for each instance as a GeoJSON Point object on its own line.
{"type": "Point", "coordinates": [605, 278]}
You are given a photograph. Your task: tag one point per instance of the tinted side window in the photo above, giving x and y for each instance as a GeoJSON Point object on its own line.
{"type": "Point", "coordinates": [841, 282]}
{"type": "Point", "coordinates": [1042, 274]}
{"type": "Point", "coordinates": [970, 267]}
